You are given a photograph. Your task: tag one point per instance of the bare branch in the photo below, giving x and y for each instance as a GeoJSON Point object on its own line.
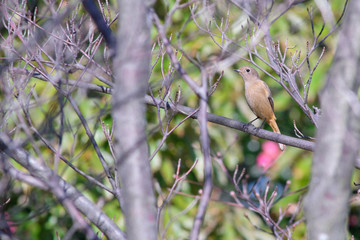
{"type": "Point", "coordinates": [205, 148]}
{"type": "Point", "coordinates": [193, 85]}
{"type": "Point", "coordinates": [61, 189]}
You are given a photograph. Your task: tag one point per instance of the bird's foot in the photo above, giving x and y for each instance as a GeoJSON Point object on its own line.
{"type": "Point", "coordinates": [247, 125]}
{"type": "Point", "coordinates": [257, 129]}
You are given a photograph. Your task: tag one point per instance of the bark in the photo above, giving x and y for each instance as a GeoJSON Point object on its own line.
{"type": "Point", "coordinates": [132, 70]}
{"type": "Point", "coordinates": [337, 146]}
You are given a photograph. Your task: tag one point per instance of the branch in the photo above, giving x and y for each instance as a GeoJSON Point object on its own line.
{"type": "Point", "coordinates": [244, 127]}
{"type": "Point", "coordinates": [45, 174]}
{"type": "Point", "coordinates": [102, 26]}
{"type": "Point", "coordinates": [178, 180]}
{"type": "Point", "coordinates": [188, 111]}
{"type": "Point", "coordinates": [192, 84]}
{"type": "Point", "coordinates": [205, 148]}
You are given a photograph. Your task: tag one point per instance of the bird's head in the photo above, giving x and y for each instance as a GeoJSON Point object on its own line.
{"type": "Point", "coordinates": [247, 73]}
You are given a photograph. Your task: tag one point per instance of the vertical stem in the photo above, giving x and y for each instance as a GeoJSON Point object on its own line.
{"type": "Point", "coordinates": [205, 147]}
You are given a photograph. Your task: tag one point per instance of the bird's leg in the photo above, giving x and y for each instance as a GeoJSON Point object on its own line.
{"type": "Point", "coordinates": [262, 124]}
{"type": "Point", "coordinates": [252, 121]}
{"type": "Point", "coordinates": [249, 123]}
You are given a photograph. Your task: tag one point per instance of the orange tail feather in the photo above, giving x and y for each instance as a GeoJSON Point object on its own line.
{"type": "Point", "coordinates": [275, 128]}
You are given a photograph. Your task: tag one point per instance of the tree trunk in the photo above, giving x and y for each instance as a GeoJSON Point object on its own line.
{"type": "Point", "coordinates": [337, 145]}
{"type": "Point", "coordinates": [132, 70]}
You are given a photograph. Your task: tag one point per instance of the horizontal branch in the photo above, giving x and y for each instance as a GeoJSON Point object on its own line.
{"type": "Point", "coordinates": [226, 122]}
{"type": "Point", "coordinates": [244, 127]}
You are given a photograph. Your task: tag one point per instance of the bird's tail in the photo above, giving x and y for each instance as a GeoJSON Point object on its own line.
{"type": "Point", "coordinates": [275, 128]}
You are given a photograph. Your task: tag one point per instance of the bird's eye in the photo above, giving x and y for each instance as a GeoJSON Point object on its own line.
{"type": "Point", "coordinates": [247, 70]}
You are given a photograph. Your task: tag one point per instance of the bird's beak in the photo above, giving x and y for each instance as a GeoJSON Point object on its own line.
{"type": "Point", "coordinates": [237, 70]}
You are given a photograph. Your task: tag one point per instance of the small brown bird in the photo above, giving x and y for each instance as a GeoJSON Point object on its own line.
{"type": "Point", "coordinates": [258, 97]}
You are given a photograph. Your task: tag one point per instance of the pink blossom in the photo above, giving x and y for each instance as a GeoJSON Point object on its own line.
{"type": "Point", "coordinates": [267, 157]}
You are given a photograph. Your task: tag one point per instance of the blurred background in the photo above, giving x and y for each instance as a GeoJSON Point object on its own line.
{"type": "Point", "coordinates": [197, 32]}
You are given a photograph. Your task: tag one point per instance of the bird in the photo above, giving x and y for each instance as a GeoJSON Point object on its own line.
{"type": "Point", "coordinates": [258, 97]}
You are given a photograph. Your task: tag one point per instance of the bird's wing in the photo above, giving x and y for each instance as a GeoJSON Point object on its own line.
{"type": "Point", "coordinates": [271, 100]}
{"type": "Point", "coordinates": [271, 103]}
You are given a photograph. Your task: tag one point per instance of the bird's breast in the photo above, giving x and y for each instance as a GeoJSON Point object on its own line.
{"type": "Point", "coordinates": [257, 98]}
